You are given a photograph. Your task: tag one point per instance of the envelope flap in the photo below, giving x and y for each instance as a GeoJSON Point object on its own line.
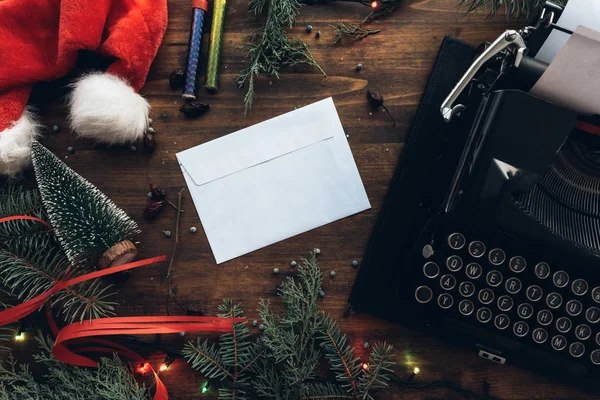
{"type": "Point", "coordinates": [260, 143]}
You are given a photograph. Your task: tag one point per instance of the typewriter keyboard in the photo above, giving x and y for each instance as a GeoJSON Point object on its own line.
{"type": "Point", "coordinates": [530, 300]}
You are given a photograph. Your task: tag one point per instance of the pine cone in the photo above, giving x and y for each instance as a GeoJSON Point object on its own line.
{"type": "Point", "coordinates": [153, 210]}
{"type": "Point", "coordinates": [157, 193]}
{"type": "Point", "coordinates": [194, 109]}
{"type": "Point", "coordinates": [177, 79]}
{"type": "Point", "coordinates": [149, 143]}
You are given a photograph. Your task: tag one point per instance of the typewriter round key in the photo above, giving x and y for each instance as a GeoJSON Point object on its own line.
{"type": "Point", "coordinates": [558, 342]}
{"type": "Point", "coordinates": [466, 289]}
{"type": "Point", "coordinates": [554, 300]}
{"type": "Point", "coordinates": [473, 270]}
{"type": "Point", "coordinates": [484, 315]}
{"type": "Point", "coordinates": [497, 256]}
{"type": "Point", "coordinates": [431, 270]}
{"type": "Point", "coordinates": [423, 294]}
{"type": "Point", "coordinates": [457, 241]}
{"type": "Point", "coordinates": [576, 349]}
{"type": "Point", "coordinates": [596, 294]}
{"type": "Point", "coordinates": [544, 317]}
{"type": "Point", "coordinates": [505, 303]}
{"type": "Point", "coordinates": [574, 307]}
{"type": "Point", "coordinates": [445, 300]}
{"type": "Point", "coordinates": [513, 285]}
{"type": "Point", "coordinates": [592, 315]}
{"type": "Point", "coordinates": [485, 296]}
{"type": "Point", "coordinates": [521, 328]}
{"type": "Point", "coordinates": [525, 310]}
{"type": "Point", "coordinates": [595, 357]}
{"type": "Point", "coordinates": [560, 279]}
{"type": "Point", "coordinates": [579, 287]}
{"type": "Point", "coordinates": [447, 282]}
{"type": "Point", "coordinates": [517, 264]}
{"type": "Point", "coordinates": [501, 321]}
{"type": "Point", "coordinates": [563, 324]}
{"type": "Point", "coordinates": [476, 248]}
{"type": "Point", "coordinates": [542, 270]}
{"type": "Point", "coordinates": [534, 293]}
{"type": "Point", "coordinates": [494, 278]}
{"type": "Point", "coordinates": [466, 307]}
{"type": "Point", "coordinates": [454, 263]}
{"type": "Point", "coordinates": [539, 335]}
{"type": "Point", "coordinates": [583, 332]}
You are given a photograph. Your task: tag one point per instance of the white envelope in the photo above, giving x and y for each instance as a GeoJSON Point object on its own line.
{"type": "Point", "coordinates": [273, 180]}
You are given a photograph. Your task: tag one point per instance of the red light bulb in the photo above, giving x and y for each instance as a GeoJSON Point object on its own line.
{"type": "Point", "coordinates": [374, 4]}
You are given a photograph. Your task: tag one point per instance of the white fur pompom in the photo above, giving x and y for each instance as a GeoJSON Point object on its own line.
{"type": "Point", "coordinates": [106, 109]}
{"type": "Point", "coordinates": [15, 145]}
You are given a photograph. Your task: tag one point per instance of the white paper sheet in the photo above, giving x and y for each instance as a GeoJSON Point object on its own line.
{"type": "Point", "coordinates": [274, 180]}
{"type": "Point", "coordinates": [573, 79]}
{"type": "Point", "coordinates": [576, 13]}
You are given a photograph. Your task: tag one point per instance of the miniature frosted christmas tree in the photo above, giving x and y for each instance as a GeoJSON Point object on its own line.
{"type": "Point", "coordinates": [89, 226]}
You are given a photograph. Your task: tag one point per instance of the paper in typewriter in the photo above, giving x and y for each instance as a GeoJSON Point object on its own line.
{"type": "Point", "coordinates": [576, 13]}
{"type": "Point", "coordinates": [573, 79]}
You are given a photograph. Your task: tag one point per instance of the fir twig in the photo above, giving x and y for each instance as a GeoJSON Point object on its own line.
{"type": "Point", "coordinates": [269, 48]}
{"type": "Point", "coordinates": [343, 30]}
{"type": "Point", "coordinates": [512, 8]}
{"type": "Point", "coordinates": [177, 220]}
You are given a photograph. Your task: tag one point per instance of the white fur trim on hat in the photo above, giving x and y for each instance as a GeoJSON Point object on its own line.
{"type": "Point", "coordinates": [15, 144]}
{"type": "Point", "coordinates": [106, 109]}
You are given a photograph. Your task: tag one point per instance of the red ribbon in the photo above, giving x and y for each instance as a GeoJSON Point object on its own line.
{"type": "Point", "coordinates": [110, 326]}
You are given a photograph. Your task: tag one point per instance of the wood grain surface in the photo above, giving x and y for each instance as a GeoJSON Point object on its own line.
{"type": "Point", "coordinates": [397, 63]}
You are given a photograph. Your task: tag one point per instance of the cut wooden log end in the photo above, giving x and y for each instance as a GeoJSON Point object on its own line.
{"type": "Point", "coordinates": [121, 253]}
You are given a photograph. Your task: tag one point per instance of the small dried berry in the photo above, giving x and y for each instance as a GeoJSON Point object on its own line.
{"type": "Point", "coordinates": [254, 323]}
{"type": "Point", "coordinates": [151, 130]}
{"type": "Point", "coordinates": [317, 251]}
{"type": "Point", "coordinates": [149, 143]}
{"type": "Point", "coordinates": [332, 274]}
{"type": "Point", "coordinates": [177, 79]}
{"type": "Point", "coordinates": [167, 233]}
{"type": "Point", "coordinates": [157, 192]}
{"type": "Point", "coordinates": [366, 345]}
{"type": "Point", "coordinates": [194, 109]}
{"type": "Point", "coordinates": [153, 209]}
{"type": "Point", "coordinates": [355, 263]}
{"type": "Point", "coordinates": [375, 100]}
{"type": "Point", "coordinates": [293, 264]}
{"type": "Point", "coordinates": [193, 229]}
{"type": "Point", "coordinates": [359, 67]}
{"type": "Point", "coordinates": [182, 334]}
{"type": "Point", "coordinates": [150, 121]}
{"type": "Point", "coordinates": [308, 28]}
{"type": "Point", "coordinates": [261, 327]}
{"type": "Point", "coordinates": [318, 34]}
{"type": "Point", "coordinates": [275, 271]}
{"type": "Point", "coordinates": [149, 195]}
{"type": "Point", "coordinates": [322, 293]}
{"type": "Point", "coordinates": [70, 149]}
{"type": "Point", "coordinates": [56, 129]}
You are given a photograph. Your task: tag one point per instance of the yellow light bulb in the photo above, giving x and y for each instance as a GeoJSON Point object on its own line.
{"type": "Point", "coordinates": [20, 337]}
{"type": "Point", "coordinates": [416, 370]}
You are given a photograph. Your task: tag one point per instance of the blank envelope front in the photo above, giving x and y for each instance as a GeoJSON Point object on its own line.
{"type": "Point", "coordinates": [274, 180]}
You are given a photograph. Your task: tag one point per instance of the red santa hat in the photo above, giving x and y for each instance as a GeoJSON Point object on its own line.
{"type": "Point", "coordinates": [41, 41]}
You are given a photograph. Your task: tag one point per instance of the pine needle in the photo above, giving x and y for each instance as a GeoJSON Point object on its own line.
{"type": "Point", "coordinates": [512, 8]}
{"type": "Point", "coordinates": [343, 30]}
{"type": "Point", "coordinates": [269, 48]}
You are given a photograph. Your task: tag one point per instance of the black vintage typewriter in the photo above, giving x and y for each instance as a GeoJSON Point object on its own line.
{"type": "Point", "coordinates": [490, 233]}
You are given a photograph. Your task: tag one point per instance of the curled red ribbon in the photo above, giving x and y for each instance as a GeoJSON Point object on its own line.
{"type": "Point", "coordinates": [110, 326]}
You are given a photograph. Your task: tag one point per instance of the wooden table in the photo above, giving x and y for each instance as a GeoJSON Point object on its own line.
{"type": "Point", "coordinates": [397, 63]}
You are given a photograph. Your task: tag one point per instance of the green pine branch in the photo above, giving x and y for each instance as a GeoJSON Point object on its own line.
{"type": "Point", "coordinates": [230, 361]}
{"type": "Point", "coordinates": [283, 363]}
{"type": "Point", "coordinates": [112, 380]}
{"type": "Point", "coordinates": [32, 261]}
{"type": "Point", "coordinates": [269, 48]}
{"type": "Point", "coordinates": [512, 8]}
